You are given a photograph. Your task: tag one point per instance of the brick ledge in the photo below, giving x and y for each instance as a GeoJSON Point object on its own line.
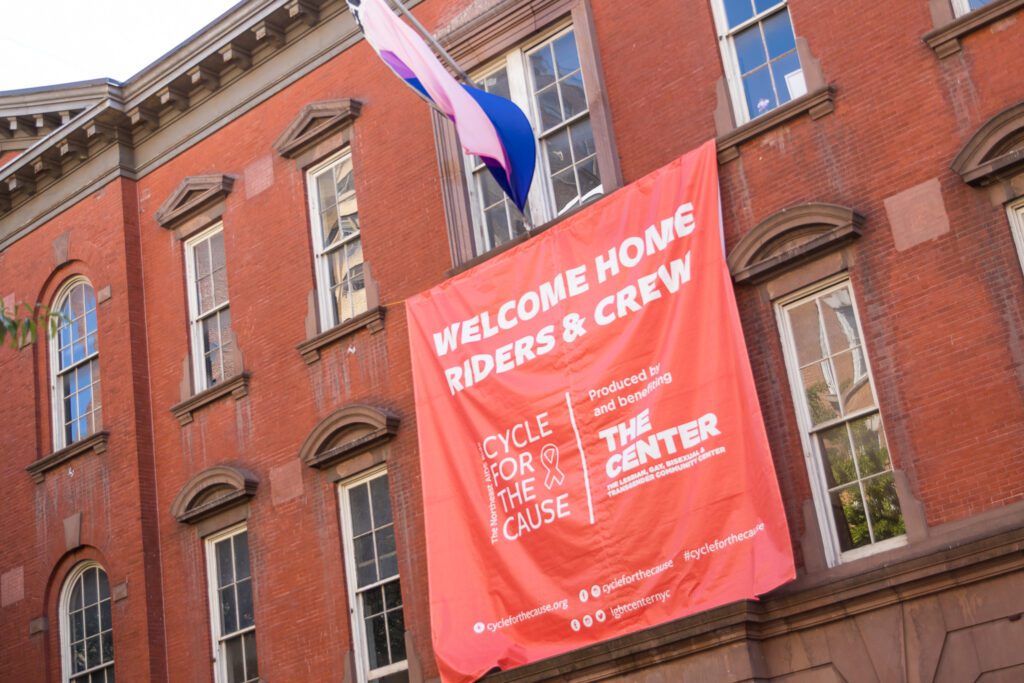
{"type": "Point", "coordinates": [237, 386]}
{"type": "Point", "coordinates": [97, 443]}
{"type": "Point", "coordinates": [815, 104]}
{"type": "Point", "coordinates": [372, 320]}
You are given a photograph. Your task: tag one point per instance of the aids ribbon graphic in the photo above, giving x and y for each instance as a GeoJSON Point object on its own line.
{"type": "Point", "coordinates": [549, 458]}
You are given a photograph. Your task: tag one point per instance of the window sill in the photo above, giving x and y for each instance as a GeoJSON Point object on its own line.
{"type": "Point", "coordinates": [237, 386]}
{"type": "Point", "coordinates": [945, 40]}
{"type": "Point", "coordinates": [816, 104]}
{"type": "Point", "coordinates": [372, 320]}
{"type": "Point", "coordinates": [97, 443]}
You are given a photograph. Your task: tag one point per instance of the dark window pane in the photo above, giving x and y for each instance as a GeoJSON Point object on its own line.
{"type": "Point", "coordinates": [366, 566]}
{"type": "Point", "coordinates": [738, 11]}
{"type": "Point", "coordinates": [245, 610]}
{"type": "Point", "coordinates": [750, 49]}
{"type": "Point", "coordinates": [377, 641]}
{"type": "Point", "coordinates": [835, 451]}
{"type": "Point", "coordinates": [92, 652]}
{"type": "Point", "coordinates": [105, 624]}
{"type": "Point", "coordinates": [396, 634]}
{"type": "Point", "coordinates": [359, 503]}
{"type": "Point", "coordinates": [241, 555]}
{"type": "Point", "coordinates": [92, 620]}
{"type": "Point", "coordinates": [76, 595]}
{"type": "Point", "coordinates": [228, 616]}
{"type": "Point", "coordinates": [104, 586]}
{"type": "Point", "coordinates": [373, 602]}
{"type": "Point", "coordinates": [78, 657]}
{"type": "Point", "coordinates": [759, 93]}
{"type": "Point", "coordinates": [251, 668]}
{"type": "Point", "coordinates": [386, 554]}
{"type": "Point", "coordinates": [542, 66]}
{"type": "Point", "coordinates": [235, 660]}
{"type": "Point", "coordinates": [108, 647]}
{"type": "Point", "coordinates": [225, 574]}
{"type": "Point", "coordinates": [566, 56]}
{"type": "Point", "coordinates": [851, 522]}
{"type": "Point", "coordinates": [393, 594]}
{"type": "Point", "coordinates": [884, 507]}
{"type": "Point", "coordinates": [91, 586]}
{"type": "Point", "coordinates": [381, 501]}
{"type": "Point", "coordinates": [77, 626]}
{"type": "Point", "coordinates": [778, 33]}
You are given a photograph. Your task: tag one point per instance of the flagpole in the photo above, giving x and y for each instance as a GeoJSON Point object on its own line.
{"type": "Point", "coordinates": [422, 30]}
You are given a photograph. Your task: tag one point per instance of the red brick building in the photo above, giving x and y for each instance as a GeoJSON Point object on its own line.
{"type": "Point", "coordinates": [210, 472]}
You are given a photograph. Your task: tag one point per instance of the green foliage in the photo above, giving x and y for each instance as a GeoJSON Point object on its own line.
{"type": "Point", "coordinates": [25, 322]}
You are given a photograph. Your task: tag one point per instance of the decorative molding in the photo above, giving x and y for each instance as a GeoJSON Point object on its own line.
{"type": "Point", "coordinates": [816, 104]}
{"type": "Point", "coordinates": [213, 491]}
{"type": "Point", "coordinates": [373, 320]}
{"type": "Point", "coordinates": [995, 153]}
{"type": "Point", "coordinates": [945, 40]}
{"type": "Point", "coordinates": [346, 433]}
{"type": "Point", "coordinates": [194, 194]}
{"type": "Point", "coordinates": [237, 386]}
{"type": "Point", "coordinates": [96, 443]}
{"type": "Point", "coordinates": [315, 122]}
{"type": "Point", "coordinates": [791, 237]}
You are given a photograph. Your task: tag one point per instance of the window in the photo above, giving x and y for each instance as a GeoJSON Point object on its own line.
{"type": "Point", "coordinates": [1016, 212]}
{"type": "Point", "coordinates": [962, 7]}
{"type": "Point", "coordinates": [338, 252]}
{"type": "Point", "coordinates": [759, 53]}
{"type": "Point", "coordinates": [546, 80]}
{"type": "Point", "coordinates": [86, 631]}
{"type": "Point", "coordinates": [213, 357]}
{"type": "Point", "coordinates": [848, 459]}
{"type": "Point", "coordinates": [231, 607]}
{"type": "Point", "coordinates": [371, 567]}
{"type": "Point", "coordinates": [75, 365]}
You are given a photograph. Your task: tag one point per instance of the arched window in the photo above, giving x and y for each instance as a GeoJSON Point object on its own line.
{"type": "Point", "coordinates": [86, 633]}
{"type": "Point", "coordinates": [75, 365]}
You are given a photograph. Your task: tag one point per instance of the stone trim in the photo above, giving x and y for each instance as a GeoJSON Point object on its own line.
{"type": "Point", "coordinates": [347, 433]}
{"type": "Point", "coordinates": [373, 320]}
{"type": "Point", "coordinates": [192, 196]}
{"type": "Point", "coordinates": [790, 237]}
{"type": "Point", "coordinates": [995, 153]}
{"type": "Point", "coordinates": [188, 507]}
{"type": "Point", "coordinates": [815, 104]}
{"type": "Point", "coordinates": [945, 40]}
{"type": "Point", "coordinates": [237, 386]}
{"type": "Point", "coordinates": [96, 443]}
{"type": "Point", "coordinates": [315, 122]}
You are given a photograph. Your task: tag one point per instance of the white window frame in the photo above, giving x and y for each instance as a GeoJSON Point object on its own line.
{"type": "Point", "coordinates": [352, 584]}
{"type": "Point", "coordinates": [730, 60]}
{"type": "Point", "coordinates": [815, 470]}
{"type": "Point", "coordinates": [220, 674]}
{"type": "Point", "coordinates": [321, 264]}
{"type": "Point", "coordinates": [541, 207]}
{"type": "Point", "coordinates": [56, 373]}
{"type": "Point", "coordinates": [1015, 212]}
{"type": "Point", "coordinates": [64, 607]}
{"type": "Point", "coordinates": [195, 323]}
{"type": "Point", "coordinates": [962, 7]}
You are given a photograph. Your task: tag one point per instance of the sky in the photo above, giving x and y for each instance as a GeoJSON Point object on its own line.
{"type": "Point", "coordinates": [62, 41]}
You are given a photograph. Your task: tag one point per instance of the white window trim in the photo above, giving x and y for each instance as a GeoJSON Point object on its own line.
{"type": "Point", "coordinates": [64, 606]}
{"type": "Point", "coordinates": [961, 7]}
{"type": "Point", "coordinates": [56, 393]}
{"type": "Point", "coordinates": [195, 324]}
{"type": "Point", "coordinates": [325, 307]}
{"type": "Point", "coordinates": [1015, 211]}
{"type": "Point", "coordinates": [819, 486]}
{"type": "Point", "coordinates": [354, 607]}
{"type": "Point", "coordinates": [220, 674]}
{"type": "Point", "coordinates": [541, 208]}
{"type": "Point", "coordinates": [731, 62]}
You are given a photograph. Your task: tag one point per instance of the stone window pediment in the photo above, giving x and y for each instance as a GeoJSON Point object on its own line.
{"type": "Point", "coordinates": [995, 153]}
{"type": "Point", "coordinates": [346, 433]}
{"type": "Point", "coordinates": [791, 237]}
{"type": "Point", "coordinates": [314, 123]}
{"type": "Point", "coordinates": [213, 491]}
{"type": "Point", "coordinates": [194, 195]}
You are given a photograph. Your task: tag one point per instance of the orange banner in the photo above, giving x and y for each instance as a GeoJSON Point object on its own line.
{"type": "Point", "coordinates": [593, 455]}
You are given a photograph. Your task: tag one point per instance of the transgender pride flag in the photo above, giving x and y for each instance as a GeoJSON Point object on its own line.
{"type": "Point", "coordinates": [489, 126]}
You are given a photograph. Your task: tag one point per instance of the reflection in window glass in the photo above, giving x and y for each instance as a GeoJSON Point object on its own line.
{"type": "Point", "coordinates": [844, 423]}
{"type": "Point", "coordinates": [213, 341]}
{"type": "Point", "coordinates": [232, 600]}
{"type": "Point", "coordinates": [75, 359]}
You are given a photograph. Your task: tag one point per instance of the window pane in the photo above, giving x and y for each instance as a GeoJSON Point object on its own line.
{"type": "Point", "coordinates": [251, 668]}
{"type": "Point", "coordinates": [108, 647]}
{"type": "Point", "coordinates": [566, 56]}
{"type": "Point", "coordinates": [366, 565]}
{"type": "Point", "coordinates": [104, 585]}
{"type": "Point", "coordinates": [92, 651]}
{"type": "Point", "coordinates": [490, 192]}
{"type": "Point", "coordinates": [91, 587]}
{"type": "Point", "coordinates": [559, 156]}
{"type": "Point", "coordinates": [822, 402]}
{"type": "Point", "coordinates": [497, 83]}
{"type": "Point", "coordinates": [77, 626]}
{"type": "Point", "coordinates": [245, 613]}
{"type": "Point", "coordinates": [590, 183]}
{"type": "Point", "coordinates": [762, 5]}
{"type": "Point", "coordinates": [201, 259]}
{"type": "Point", "coordinates": [359, 503]}
{"type": "Point", "coordinates": [381, 501]}
{"type": "Point", "coordinates": [225, 571]}
{"type": "Point", "coordinates": [750, 49]}
{"type": "Point", "coordinates": [373, 602]}
{"type": "Point", "coordinates": [566, 193]}
{"type": "Point", "coordinates": [835, 451]}
{"type": "Point", "coordinates": [377, 641]}
{"type": "Point", "coordinates": [228, 613]}
{"type": "Point", "coordinates": [789, 78]}
{"type": "Point", "coordinates": [550, 108]}
{"type": "Point", "coordinates": [105, 615]}
{"type": "Point", "coordinates": [884, 507]}
{"type": "Point", "coordinates": [392, 595]}
{"type": "Point", "coordinates": [840, 320]}
{"type": "Point", "coordinates": [396, 634]}
{"type": "Point", "coordinates": [542, 67]}
{"type": "Point", "coordinates": [852, 380]}
{"type": "Point", "coordinates": [235, 660]}
{"type": "Point", "coordinates": [738, 11]}
{"type": "Point", "coordinates": [204, 293]}
{"type": "Point", "coordinates": [778, 34]}
{"type": "Point", "coordinates": [496, 220]}
{"type": "Point", "coordinates": [78, 657]}
{"type": "Point", "coordinates": [851, 523]}
{"type": "Point", "coordinates": [386, 554]}
{"type": "Point", "coordinates": [869, 445]}
{"type": "Point", "coordinates": [76, 596]}
{"type": "Point", "coordinates": [241, 542]}
{"type": "Point", "coordinates": [574, 97]}
{"type": "Point", "coordinates": [807, 333]}
{"type": "Point", "coordinates": [582, 140]}
{"type": "Point", "coordinates": [759, 93]}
